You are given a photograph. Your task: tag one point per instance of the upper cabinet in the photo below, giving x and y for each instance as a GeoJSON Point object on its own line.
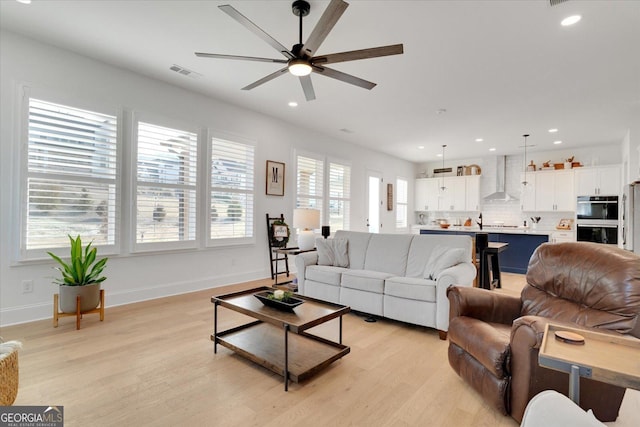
{"type": "Point", "coordinates": [598, 181]}
{"type": "Point", "coordinates": [548, 191]}
{"type": "Point", "coordinates": [426, 194]}
{"type": "Point", "coordinates": [462, 193]}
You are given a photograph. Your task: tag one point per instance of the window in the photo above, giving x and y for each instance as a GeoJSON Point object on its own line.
{"type": "Point", "coordinates": [232, 186]}
{"type": "Point", "coordinates": [71, 176]}
{"type": "Point", "coordinates": [339, 196]}
{"type": "Point", "coordinates": [310, 182]}
{"type": "Point", "coordinates": [165, 185]}
{"type": "Point", "coordinates": [313, 175]}
{"type": "Point", "coordinates": [401, 203]}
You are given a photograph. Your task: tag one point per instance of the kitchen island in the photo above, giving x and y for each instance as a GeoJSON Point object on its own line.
{"type": "Point", "coordinates": [522, 242]}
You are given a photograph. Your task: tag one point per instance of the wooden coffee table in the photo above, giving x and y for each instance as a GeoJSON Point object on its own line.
{"type": "Point", "coordinates": [277, 340]}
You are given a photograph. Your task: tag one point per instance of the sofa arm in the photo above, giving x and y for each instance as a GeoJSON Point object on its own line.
{"type": "Point", "coordinates": [483, 305]}
{"type": "Point", "coordinates": [302, 261]}
{"type": "Point", "coordinates": [461, 275]}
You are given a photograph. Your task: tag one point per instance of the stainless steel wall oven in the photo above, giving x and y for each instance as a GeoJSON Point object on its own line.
{"type": "Point", "coordinates": [597, 219]}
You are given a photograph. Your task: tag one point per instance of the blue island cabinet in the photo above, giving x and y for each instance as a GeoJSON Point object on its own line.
{"type": "Point", "coordinates": [515, 259]}
{"type": "Point", "coordinates": [521, 246]}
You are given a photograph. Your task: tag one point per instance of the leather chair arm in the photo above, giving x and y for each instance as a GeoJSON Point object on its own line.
{"type": "Point", "coordinates": [483, 305]}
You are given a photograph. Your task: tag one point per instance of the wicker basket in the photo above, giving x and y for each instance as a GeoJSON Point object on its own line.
{"type": "Point", "coordinates": [9, 373]}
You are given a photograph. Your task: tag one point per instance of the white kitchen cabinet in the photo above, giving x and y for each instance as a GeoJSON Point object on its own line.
{"type": "Point", "coordinates": [426, 194]}
{"type": "Point", "coordinates": [472, 192]}
{"type": "Point", "coordinates": [462, 194]}
{"type": "Point", "coordinates": [562, 236]}
{"type": "Point", "coordinates": [454, 198]}
{"type": "Point", "coordinates": [554, 191]}
{"type": "Point", "coordinates": [598, 181]}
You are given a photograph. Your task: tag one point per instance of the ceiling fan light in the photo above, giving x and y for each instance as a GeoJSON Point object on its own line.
{"type": "Point", "coordinates": [299, 67]}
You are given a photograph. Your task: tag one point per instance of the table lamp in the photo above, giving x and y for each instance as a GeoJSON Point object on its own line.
{"type": "Point", "coordinates": [306, 220]}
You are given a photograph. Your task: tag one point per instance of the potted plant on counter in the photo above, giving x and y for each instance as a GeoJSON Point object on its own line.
{"type": "Point", "coordinates": [81, 276]}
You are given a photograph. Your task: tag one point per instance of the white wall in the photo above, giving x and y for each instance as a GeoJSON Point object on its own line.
{"type": "Point", "coordinates": [140, 277]}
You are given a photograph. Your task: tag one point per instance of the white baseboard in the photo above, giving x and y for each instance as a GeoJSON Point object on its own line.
{"type": "Point", "coordinates": [33, 312]}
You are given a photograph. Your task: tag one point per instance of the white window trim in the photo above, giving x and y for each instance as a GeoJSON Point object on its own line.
{"type": "Point", "coordinates": [232, 137]}
{"type": "Point", "coordinates": [24, 93]}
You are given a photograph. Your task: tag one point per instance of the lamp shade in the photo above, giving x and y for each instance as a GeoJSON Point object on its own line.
{"type": "Point", "coordinates": [306, 219]}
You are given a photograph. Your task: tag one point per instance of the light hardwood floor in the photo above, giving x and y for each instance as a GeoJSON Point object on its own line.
{"type": "Point", "coordinates": [152, 363]}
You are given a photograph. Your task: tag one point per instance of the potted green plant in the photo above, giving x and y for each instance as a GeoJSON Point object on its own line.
{"type": "Point", "coordinates": [81, 276]}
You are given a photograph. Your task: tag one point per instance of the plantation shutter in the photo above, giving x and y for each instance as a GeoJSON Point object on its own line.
{"type": "Point", "coordinates": [232, 188]}
{"type": "Point", "coordinates": [310, 180]}
{"type": "Point", "coordinates": [71, 176]}
{"type": "Point", "coordinates": [166, 184]}
{"type": "Point", "coordinates": [339, 196]}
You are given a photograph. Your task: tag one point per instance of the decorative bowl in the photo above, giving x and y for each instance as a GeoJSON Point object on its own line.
{"type": "Point", "coordinates": [288, 305]}
{"type": "Point", "coordinates": [442, 225]}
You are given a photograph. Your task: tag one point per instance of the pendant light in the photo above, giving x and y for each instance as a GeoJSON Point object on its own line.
{"type": "Point", "coordinates": [442, 187]}
{"type": "Point", "coordinates": [524, 181]}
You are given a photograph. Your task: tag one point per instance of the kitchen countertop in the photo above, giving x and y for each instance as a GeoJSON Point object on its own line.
{"type": "Point", "coordinates": [506, 230]}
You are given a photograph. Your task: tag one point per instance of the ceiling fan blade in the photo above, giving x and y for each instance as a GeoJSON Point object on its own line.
{"type": "Point", "coordinates": [307, 87]}
{"type": "Point", "coordinates": [374, 52]}
{"type": "Point", "coordinates": [232, 12]}
{"type": "Point", "coordinates": [332, 13]}
{"type": "Point", "coordinates": [266, 79]}
{"type": "Point", "coordinates": [344, 77]}
{"type": "Point", "coordinates": [242, 58]}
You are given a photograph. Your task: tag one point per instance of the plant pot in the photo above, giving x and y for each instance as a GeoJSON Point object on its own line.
{"type": "Point", "coordinates": [89, 297]}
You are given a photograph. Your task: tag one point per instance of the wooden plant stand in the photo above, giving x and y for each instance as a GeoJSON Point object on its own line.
{"type": "Point", "coordinates": [78, 313]}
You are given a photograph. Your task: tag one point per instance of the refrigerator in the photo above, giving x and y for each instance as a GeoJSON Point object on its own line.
{"type": "Point", "coordinates": [631, 217]}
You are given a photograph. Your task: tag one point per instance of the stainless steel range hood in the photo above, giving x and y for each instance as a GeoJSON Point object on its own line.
{"type": "Point", "coordinates": [500, 195]}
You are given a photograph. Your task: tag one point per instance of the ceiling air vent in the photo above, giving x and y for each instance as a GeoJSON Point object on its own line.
{"type": "Point", "coordinates": [557, 2]}
{"type": "Point", "coordinates": [185, 72]}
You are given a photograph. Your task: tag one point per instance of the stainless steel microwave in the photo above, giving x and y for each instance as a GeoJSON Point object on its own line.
{"type": "Point", "coordinates": [599, 208]}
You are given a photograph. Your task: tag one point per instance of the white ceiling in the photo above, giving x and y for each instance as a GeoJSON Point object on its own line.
{"type": "Point", "coordinates": [499, 68]}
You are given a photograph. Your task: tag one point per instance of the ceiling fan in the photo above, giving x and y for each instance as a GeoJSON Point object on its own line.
{"type": "Point", "coordinates": [300, 59]}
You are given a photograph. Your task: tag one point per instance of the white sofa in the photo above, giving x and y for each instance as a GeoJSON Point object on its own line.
{"type": "Point", "coordinates": [386, 275]}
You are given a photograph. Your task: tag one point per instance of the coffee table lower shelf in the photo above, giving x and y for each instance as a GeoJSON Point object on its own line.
{"type": "Point", "coordinates": [264, 344]}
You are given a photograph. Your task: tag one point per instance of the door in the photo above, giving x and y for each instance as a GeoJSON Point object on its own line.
{"type": "Point", "coordinates": [374, 201]}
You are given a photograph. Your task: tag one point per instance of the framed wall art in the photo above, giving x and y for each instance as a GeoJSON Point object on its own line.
{"type": "Point", "coordinates": [275, 178]}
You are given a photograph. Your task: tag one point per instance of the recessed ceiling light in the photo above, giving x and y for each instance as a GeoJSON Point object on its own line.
{"type": "Point", "coordinates": [439, 155]}
{"type": "Point", "coordinates": [570, 20]}
{"type": "Point", "coordinates": [553, 130]}
{"type": "Point", "coordinates": [492, 149]}
{"type": "Point", "coordinates": [293, 104]}
{"type": "Point", "coordinates": [420, 147]}
{"type": "Point", "coordinates": [557, 142]}
{"type": "Point", "coordinates": [479, 139]}
{"type": "Point", "coordinates": [24, 1]}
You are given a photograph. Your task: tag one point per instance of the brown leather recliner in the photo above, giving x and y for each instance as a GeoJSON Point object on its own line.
{"type": "Point", "coordinates": [494, 338]}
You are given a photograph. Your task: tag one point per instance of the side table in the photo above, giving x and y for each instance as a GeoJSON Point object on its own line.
{"type": "Point", "coordinates": [603, 357]}
{"type": "Point", "coordinates": [287, 252]}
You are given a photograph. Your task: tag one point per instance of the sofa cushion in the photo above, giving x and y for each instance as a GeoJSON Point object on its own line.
{"type": "Point", "coordinates": [325, 274]}
{"type": "Point", "coordinates": [388, 253]}
{"type": "Point", "coordinates": [422, 245]}
{"type": "Point", "coordinates": [411, 288]}
{"type": "Point", "coordinates": [333, 252]}
{"type": "Point", "coordinates": [364, 280]}
{"type": "Point", "coordinates": [358, 243]}
{"type": "Point", "coordinates": [442, 258]}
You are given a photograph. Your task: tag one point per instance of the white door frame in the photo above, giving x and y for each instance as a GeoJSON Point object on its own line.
{"type": "Point", "coordinates": [374, 216]}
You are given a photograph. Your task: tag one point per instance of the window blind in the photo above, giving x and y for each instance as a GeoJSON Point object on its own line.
{"type": "Point", "coordinates": [339, 196]}
{"type": "Point", "coordinates": [71, 176]}
{"type": "Point", "coordinates": [166, 184]}
{"type": "Point", "coordinates": [232, 186]}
